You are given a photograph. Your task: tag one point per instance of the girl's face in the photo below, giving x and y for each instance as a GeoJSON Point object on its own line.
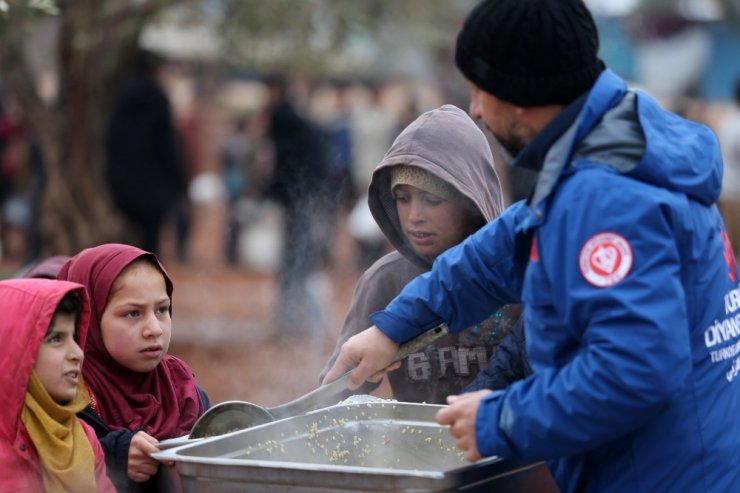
{"type": "Point", "coordinates": [430, 223]}
{"type": "Point", "coordinates": [136, 324]}
{"type": "Point", "coordinates": [59, 359]}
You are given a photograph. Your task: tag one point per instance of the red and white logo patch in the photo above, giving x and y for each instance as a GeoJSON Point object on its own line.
{"type": "Point", "coordinates": [605, 259]}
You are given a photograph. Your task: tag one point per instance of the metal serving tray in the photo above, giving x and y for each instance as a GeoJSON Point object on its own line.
{"type": "Point", "coordinates": [369, 447]}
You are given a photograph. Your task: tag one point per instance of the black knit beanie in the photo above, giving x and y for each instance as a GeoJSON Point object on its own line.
{"type": "Point", "coordinates": [530, 52]}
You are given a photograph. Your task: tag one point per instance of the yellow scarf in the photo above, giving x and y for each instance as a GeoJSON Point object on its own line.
{"type": "Point", "coordinates": [67, 460]}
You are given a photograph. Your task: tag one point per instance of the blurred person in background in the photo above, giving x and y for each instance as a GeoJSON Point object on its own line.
{"type": "Point", "coordinates": [374, 127]}
{"type": "Point", "coordinates": [247, 161]}
{"type": "Point", "coordinates": [729, 200]}
{"type": "Point", "coordinates": [235, 154]}
{"type": "Point", "coordinates": [145, 167]}
{"type": "Point", "coordinates": [331, 107]}
{"type": "Point", "coordinates": [299, 184]}
{"type": "Point", "coordinates": [22, 182]}
{"type": "Point", "coordinates": [10, 145]}
{"type": "Point", "coordinates": [435, 186]}
{"type": "Point", "coordinates": [341, 144]}
{"type": "Point", "coordinates": [190, 125]}
{"type": "Point", "coordinates": [619, 256]}
{"type": "Point", "coordinates": [373, 130]}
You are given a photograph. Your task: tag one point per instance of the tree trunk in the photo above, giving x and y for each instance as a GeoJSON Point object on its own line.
{"type": "Point", "coordinates": [96, 37]}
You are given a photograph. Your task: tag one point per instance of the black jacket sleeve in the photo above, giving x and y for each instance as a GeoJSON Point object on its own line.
{"type": "Point", "coordinates": [204, 399]}
{"type": "Point", "coordinates": [507, 365]}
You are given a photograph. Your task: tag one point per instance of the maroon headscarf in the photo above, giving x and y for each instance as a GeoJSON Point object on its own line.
{"type": "Point", "coordinates": [165, 401]}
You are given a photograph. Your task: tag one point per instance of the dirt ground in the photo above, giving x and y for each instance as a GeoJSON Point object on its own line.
{"type": "Point", "coordinates": [223, 327]}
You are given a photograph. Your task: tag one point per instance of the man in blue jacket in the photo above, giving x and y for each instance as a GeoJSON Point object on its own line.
{"type": "Point", "coordinates": [619, 255]}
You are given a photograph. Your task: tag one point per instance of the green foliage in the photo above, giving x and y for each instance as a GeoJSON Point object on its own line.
{"type": "Point", "coordinates": [333, 35]}
{"type": "Point", "coordinates": [10, 7]}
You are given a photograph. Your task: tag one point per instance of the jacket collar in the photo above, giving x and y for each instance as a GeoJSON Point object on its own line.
{"type": "Point", "coordinates": [551, 150]}
{"type": "Point", "coordinates": [533, 155]}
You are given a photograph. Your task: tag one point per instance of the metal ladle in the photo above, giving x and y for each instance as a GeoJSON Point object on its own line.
{"type": "Point", "coordinates": [238, 415]}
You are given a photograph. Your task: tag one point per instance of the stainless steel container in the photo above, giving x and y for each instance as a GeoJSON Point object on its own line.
{"type": "Point", "coordinates": [368, 447]}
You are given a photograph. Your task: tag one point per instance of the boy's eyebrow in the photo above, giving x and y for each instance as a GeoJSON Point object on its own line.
{"type": "Point", "coordinates": [55, 331]}
{"type": "Point", "coordinates": [52, 327]}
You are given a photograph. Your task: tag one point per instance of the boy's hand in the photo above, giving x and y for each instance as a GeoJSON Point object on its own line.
{"type": "Point", "coordinates": [368, 352]}
{"type": "Point", "coordinates": [141, 466]}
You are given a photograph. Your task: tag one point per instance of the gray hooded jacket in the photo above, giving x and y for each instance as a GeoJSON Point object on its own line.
{"type": "Point", "coordinates": [447, 143]}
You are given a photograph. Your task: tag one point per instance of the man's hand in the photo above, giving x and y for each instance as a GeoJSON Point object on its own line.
{"type": "Point", "coordinates": [460, 416]}
{"type": "Point", "coordinates": [141, 466]}
{"type": "Point", "coordinates": [368, 352]}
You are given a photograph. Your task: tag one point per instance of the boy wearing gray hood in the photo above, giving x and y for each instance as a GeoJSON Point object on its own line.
{"type": "Point", "coordinates": [435, 186]}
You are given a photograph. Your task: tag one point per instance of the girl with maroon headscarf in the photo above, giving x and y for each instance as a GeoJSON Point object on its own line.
{"type": "Point", "coordinates": [140, 394]}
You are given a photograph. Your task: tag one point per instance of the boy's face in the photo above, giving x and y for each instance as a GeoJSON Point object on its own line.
{"type": "Point", "coordinates": [59, 361]}
{"type": "Point", "coordinates": [430, 223]}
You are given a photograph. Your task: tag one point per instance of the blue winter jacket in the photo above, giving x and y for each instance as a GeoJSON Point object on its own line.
{"type": "Point", "coordinates": [631, 306]}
